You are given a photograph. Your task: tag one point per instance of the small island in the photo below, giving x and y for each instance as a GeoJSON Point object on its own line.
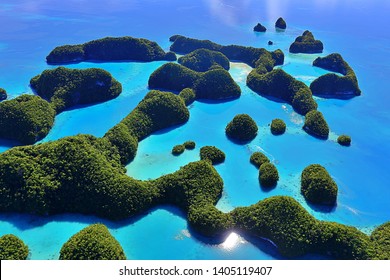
{"type": "Point", "coordinates": [258, 158]}
{"type": "Point", "coordinates": [110, 49]}
{"type": "Point", "coordinates": [12, 248]}
{"type": "Point", "coordinates": [26, 119]}
{"type": "Point", "coordinates": [242, 128]}
{"type": "Point", "coordinates": [317, 186]}
{"type": "Point", "coordinates": [259, 28]}
{"type": "Point", "coordinates": [94, 242]}
{"type": "Point", "coordinates": [306, 44]}
{"type": "Point", "coordinates": [316, 125]}
{"type": "Point", "coordinates": [3, 94]}
{"type": "Point", "coordinates": [189, 145]}
{"type": "Point", "coordinates": [178, 150]}
{"type": "Point", "coordinates": [212, 154]}
{"type": "Point", "coordinates": [280, 23]}
{"type": "Point", "coordinates": [278, 127]}
{"type": "Point", "coordinates": [268, 175]}
{"type": "Point", "coordinates": [202, 60]}
{"type": "Point", "coordinates": [344, 140]}
{"type": "Point", "coordinates": [188, 95]}
{"type": "Point", "coordinates": [332, 85]}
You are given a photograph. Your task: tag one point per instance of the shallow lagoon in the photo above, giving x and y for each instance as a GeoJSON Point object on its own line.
{"type": "Point", "coordinates": [360, 170]}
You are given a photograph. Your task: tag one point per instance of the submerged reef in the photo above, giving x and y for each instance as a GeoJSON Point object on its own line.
{"type": "Point", "coordinates": [317, 186]}
{"type": "Point", "coordinates": [344, 140]}
{"type": "Point", "coordinates": [306, 44]}
{"type": "Point", "coordinates": [216, 84]}
{"type": "Point", "coordinates": [332, 85]}
{"type": "Point", "coordinates": [248, 55]}
{"type": "Point", "coordinates": [278, 127]}
{"type": "Point", "coordinates": [316, 125]}
{"type": "Point", "coordinates": [259, 28]}
{"type": "Point", "coordinates": [242, 128]}
{"type": "Point", "coordinates": [212, 154]}
{"type": "Point", "coordinates": [268, 175]}
{"type": "Point", "coordinates": [3, 94]}
{"type": "Point", "coordinates": [110, 49]}
{"type": "Point", "coordinates": [202, 60]}
{"type": "Point", "coordinates": [26, 119]}
{"type": "Point", "coordinates": [12, 248]}
{"type": "Point", "coordinates": [94, 242]}
{"type": "Point", "coordinates": [65, 87]}
{"type": "Point", "coordinates": [280, 23]}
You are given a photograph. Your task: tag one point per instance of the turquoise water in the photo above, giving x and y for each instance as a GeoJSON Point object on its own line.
{"type": "Point", "coordinates": [361, 171]}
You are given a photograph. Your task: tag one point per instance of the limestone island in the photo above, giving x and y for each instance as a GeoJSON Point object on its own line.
{"type": "Point", "coordinates": [110, 49]}
{"type": "Point", "coordinates": [242, 128]}
{"type": "Point", "coordinates": [317, 186]}
{"type": "Point", "coordinates": [344, 140]}
{"type": "Point", "coordinates": [3, 94]}
{"type": "Point", "coordinates": [280, 23]}
{"type": "Point", "coordinates": [202, 60]}
{"type": "Point", "coordinates": [278, 127]}
{"type": "Point", "coordinates": [306, 44]}
{"type": "Point", "coordinates": [12, 248]}
{"type": "Point", "coordinates": [94, 242]}
{"type": "Point", "coordinates": [258, 158]}
{"type": "Point", "coordinates": [26, 119]}
{"type": "Point", "coordinates": [178, 150]}
{"type": "Point", "coordinates": [316, 125]}
{"type": "Point", "coordinates": [259, 28]}
{"type": "Point", "coordinates": [268, 175]}
{"type": "Point", "coordinates": [212, 154]}
{"type": "Point", "coordinates": [65, 88]}
{"type": "Point", "coordinates": [332, 85]}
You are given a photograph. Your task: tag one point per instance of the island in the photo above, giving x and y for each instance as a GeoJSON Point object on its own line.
{"type": "Point", "coordinates": [65, 88]}
{"type": "Point", "coordinates": [278, 127]}
{"type": "Point", "coordinates": [317, 186]}
{"type": "Point", "coordinates": [280, 23]}
{"type": "Point", "coordinates": [12, 248]}
{"type": "Point", "coordinates": [94, 242]}
{"type": "Point", "coordinates": [259, 28]}
{"type": "Point", "coordinates": [258, 158]}
{"type": "Point", "coordinates": [188, 95]}
{"type": "Point", "coordinates": [3, 94]}
{"type": "Point", "coordinates": [242, 128]}
{"type": "Point", "coordinates": [212, 154]}
{"type": "Point", "coordinates": [268, 175]}
{"type": "Point", "coordinates": [344, 140]}
{"type": "Point", "coordinates": [202, 60]}
{"type": "Point", "coordinates": [26, 119]}
{"type": "Point", "coordinates": [306, 44]}
{"type": "Point", "coordinates": [110, 49]}
{"type": "Point", "coordinates": [189, 145]}
{"type": "Point", "coordinates": [178, 150]}
{"type": "Point", "coordinates": [316, 125]}
{"type": "Point", "coordinates": [334, 86]}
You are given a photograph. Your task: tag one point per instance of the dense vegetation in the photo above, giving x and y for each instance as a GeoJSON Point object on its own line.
{"type": "Point", "coordinates": [188, 95]}
{"type": "Point", "coordinates": [201, 60]}
{"type": "Point", "coordinates": [306, 44]}
{"type": "Point", "coordinates": [26, 119]}
{"type": "Point", "coordinates": [178, 149]}
{"type": "Point", "coordinates": [316, 125]}
{"type": "Point", "coordinates": [156, 111]}
{"type": "Point", "coordinates": [278, 127]}
{"type": "Point", "coordinates": [268, 175]}
{"type": "Point", "coordinates": [381, 240]}
{"type": "Point", "coordinates": [317, 186]}
{"type": "Point", "coordinates": [3, 94]}
{"type": "Point", "coordinates": [92, 243]}
{"type": "Point", "coordinates": [212, 154]}
{"type": "Point", "coordinates": [258, 158]}
{"type": "Point", "coordinates": [12, 248]}
{"type": "Point", "coordinates": [65, 87]}
{"type": "Point", "coordinates": [212, 84]}
{"type": "Point", "coordinates": [259, 28]}
{"type": "Point", "coordinates": [344, 140]}
{"type": "Point", "coordinates": [280, 23]}
{"type": "Point", "coordinates": [248, 55]}
{"type": "Point", "coordinates": [189, 145]}
{"type": "Point", "coordinates": [278, 84]}
{"type": "Point", "coordinates": [242, 128]}
{"type": "Point", "coordinates": [332, 85]}
{"type": "Point", "coordinates": [110, 49]}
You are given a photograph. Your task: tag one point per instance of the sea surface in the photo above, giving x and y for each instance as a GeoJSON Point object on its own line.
{"type": "Point", "coordinates": [356, 29]}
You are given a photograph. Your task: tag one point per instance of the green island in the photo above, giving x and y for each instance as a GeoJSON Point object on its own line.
{"type": "Point", "coordinates": [259, 28]}
{"type": "Point", "coordinates": [258, 158]}
{"type": "Point", "coordinates": [26, 119]}
{"type": "Point", "coordinates": [215, 84]}
{"type": "Point", "coordinates": [317, 186]}
{"type": "Point", "coordinates": [316, 125]}
{"type": "Point", "coordinates": [280, 23]}
{"type": "Point", "coordinates": [332, 85]}
{"type": "Point", "coordinates": [188, 95]}
{"type": "Point", "coordinates": [12, 248]}
{"type": "Point", "coordinates": [306, 43]}
{"type": "Point", "coordinates": [178, 150]}
{"type": "Point", "coordinates": [110, 49]}
{"type": "Point", "coordinates": [189, 145]}
{"type": "Point", "coordinates": [212, 154]}
{"type": "Point", "coordinates": [278, 127]}
{"type": "Point", "coordinates": [268, 175]}
{"type": "Point", "coordinates": [3, 94]}
{"type": "Point", "coordinates": [248, 55]}
{"type": "Point", "coordinates": [241, 128]}
{"type": "Point", "coordinates": [201, 60]}
{"type": "Point", "coordinates": [92, 243]}
{"type": "Point", "coordinates": [344, 140]}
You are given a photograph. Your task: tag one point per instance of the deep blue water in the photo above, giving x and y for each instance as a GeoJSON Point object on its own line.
{"type": "Point", "coordinates": [356, 29]}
